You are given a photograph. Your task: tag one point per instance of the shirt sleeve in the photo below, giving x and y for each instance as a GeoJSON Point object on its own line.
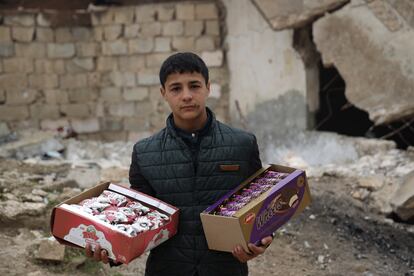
{"type": "Point", "coordinates": [136, 179]}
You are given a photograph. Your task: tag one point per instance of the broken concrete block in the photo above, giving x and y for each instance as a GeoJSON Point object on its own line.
{"type": "Point", "coordinates": [402, 201]}
{"type": "Point", "coordinates": [51, 250]}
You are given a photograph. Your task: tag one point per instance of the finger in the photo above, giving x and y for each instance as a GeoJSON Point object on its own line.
{"type": "Point", "coordinates": [257, 250]}
{"type": "Point", "coordinates": [104, 256]}
{"type": "Point", "coordinates": [88, 250]}
{"type": "Point", "coordinates": [243, 255]}
{"type": "Point", "coordinates": [97, 253]}
{"type": "Point", "coordinates": [266, 241]}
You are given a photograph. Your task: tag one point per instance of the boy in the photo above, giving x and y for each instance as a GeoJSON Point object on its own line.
{"type": "Point", "coordinates": [186, 164]}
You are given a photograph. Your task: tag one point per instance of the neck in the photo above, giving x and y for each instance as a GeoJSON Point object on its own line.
{"type": "Point", "coordinates": [193, 125]}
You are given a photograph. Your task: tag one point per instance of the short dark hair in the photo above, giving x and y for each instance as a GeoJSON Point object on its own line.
{"type": "Point", "coordinates": [183, 63]}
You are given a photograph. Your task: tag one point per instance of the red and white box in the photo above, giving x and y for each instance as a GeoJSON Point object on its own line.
{"type": "Point", "coordinates": [72, 227]}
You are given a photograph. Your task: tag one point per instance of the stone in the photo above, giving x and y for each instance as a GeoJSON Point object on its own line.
{"type": "Point", "coordinates": [77, 65]}
{"type": "Point", "coordinates": [103, 18]}
{"type": "Point", "coordinates": [73, 81]}
{"type": "Point", "coordinates": [23, 34]}
{"type": "Point", "coordinates": [135, 124]}
{"type": "Point", "coordinates": [98, 33]}
{"type": "Point", "coordinates": [205, 43]}
{"type": "Point", "coordinates": [5, 34]}
{"type": "Point", "coordinates": [44, 111]}
{"type": "Point", "coordinates": [44, 81]}
{"type": "Point", "coordinates": [87, 49]}
{"type": "Point", "coordinates": [63, 35]}
{"type": "Point", "coordinates": [90, 125]}
{"type": "Point", "coordinates": [145, 13]}
{"type": "Point", "coordinates": [54, 125]}
{"type": "Point", "coordinates": [122, 79]}
{"type": "Point", "coordinates": [117, 47]}
{"type": "Point", "coordinates": [49, 66]}
{"type": "Point", "coordinates": [131, 63]}
{"type": "Point", "coordinates": [295, 14]}
{"type": "Point", "coordinates": [135, 94]}
{"type": "Point", "coordinates": [156, 60]}
{"type": "Point", "coordinates": [215, 91]}
{"type": "Point", "coordinates": [212, 27]}
{"type": "Point", "coordinates": [112, 32]}
{"type": "Point", "coordinates": [20, 96]}
{"type": "Point", "coordinates": [111, 124]}
{"type": "Point", "coordinates": [384, 72]}
{"type": "Point", "coordinates": [386, 14]}
{"type": "Point", "coordinates": [10, 210]}
{"type": "Point", "coordinates": [124, 16]}
{"type": "Point", "coordinates": [51, 250]}
{"type": "Point", "coordinates": [30, 50]}
{"type": "Point", "coordinates": [106, 64]}
{"type": "Point", "coordinates": [162, 44]}
{"type": "Point", "coordinates": [75, 110]}
{"type": "Point", "coordinates": [82, 95]}
{"type": "Point", "coordinates": [206, 11]}
{"type": "Point", "coordinates": [94, 79]}
{"type": "Point", "coordinates": [13, 113]}
{"type": "Point", "coordinates": [2, 96]}
{"type": "Point", "coordinates": [371, 183]}
{"type": "Point", "coordinates": [148, 77]}
{"type": "Point", "coordinates": [165, 12]}
{"type": "Point", "coordinates": [150, 29]}
{"type": "Point", "coordinates": [185, 11]}
{"type": "Point", "coordinates": [60, 50]}
{"type": "Point", "coordinates": [4, 131]}
{"type": "Point", "coordinates": [26, 20]}
{"type": "Point", "coordinates": [6, 49]}
{"type": "Point", "coordinates": [213, 59]}
{"type": "Point", "coordinates": [10, 81]}
{"type": "Point", "coordinates": [140, 46]}
{"type": "Point", "coordinates": [18, 65]}
{"type": "Point", "coordinates": [131, 31]}
{"type": "Point", "coordinates": [173, 28]}
{"type": "Point", "coordinates": [122, 109]}
{"type": "Point", "coordinates": [184, 43]}
{"type": "Point", "coordinates": [111, 94]}
{"type": "Point", "coordinates": [81, 34]}
{"type": "Point", "coordinates": [44, 35]}
{"type": "Point", "coordinates": [193, 28]}
{"type": "Point", "coordinates": [402, 201]}
{"type": "Point", "coordinates": [55, 96]}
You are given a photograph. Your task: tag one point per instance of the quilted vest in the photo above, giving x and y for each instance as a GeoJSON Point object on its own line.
{"type": "Point", "coordinates": [166, 163]}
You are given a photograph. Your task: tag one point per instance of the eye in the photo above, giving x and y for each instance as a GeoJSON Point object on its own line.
{"type": "Point", "coordinates": [194, 86]}
{"type": "Point", "coordinates": [175, 89]}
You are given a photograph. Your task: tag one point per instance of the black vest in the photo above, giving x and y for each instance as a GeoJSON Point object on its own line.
{"type": "Point", "coordinates": [167, 163]}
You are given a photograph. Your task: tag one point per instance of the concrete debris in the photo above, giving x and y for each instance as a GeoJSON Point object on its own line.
{"type": "Point", "coordinates": [51, 250]}
{"type": "Point", "coordinates": [402, 201]}
{"type": "Point", "coordinates": [360, 194]}
{"type": "Point", "coordinates": [13, 209]}
{"type": "Point", "coordinates": [85, 177]}
{"type": "Point", "coordinates": [371, 183]}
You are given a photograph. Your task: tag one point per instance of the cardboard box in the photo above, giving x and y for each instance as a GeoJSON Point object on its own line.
{"type": "Point", "coordinates": [260, 217]}
{"type": "Point", "coordinates": [70, 227]}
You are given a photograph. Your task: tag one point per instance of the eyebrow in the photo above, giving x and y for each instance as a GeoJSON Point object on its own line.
{"type": "Point", "coordinates": [179, 83]}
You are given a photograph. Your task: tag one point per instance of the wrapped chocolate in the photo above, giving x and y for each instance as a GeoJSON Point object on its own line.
{"type": "Point", "coordinates": [138, 208]}
{"type": "Point", "coordinates": [113, 198]}
{"type": "Point", "coordinates": [142, 224]}
{"type": "Point", "coordinates": [94, 204]}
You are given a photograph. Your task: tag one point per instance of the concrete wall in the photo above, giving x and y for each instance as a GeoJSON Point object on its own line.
{"type": "Point", "coordinates": [267, 76]}
{"type": "Point", "coordinates": [102, 80]}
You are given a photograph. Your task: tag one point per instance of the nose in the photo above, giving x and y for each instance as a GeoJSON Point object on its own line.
{"type": "Point", "coordinates": [187, 96]}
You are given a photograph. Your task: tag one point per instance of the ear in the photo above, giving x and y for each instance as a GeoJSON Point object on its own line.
{"type": "Point", "coordinates": [162, 91]}
{"type": "Point", "coordinates": [208, 88]}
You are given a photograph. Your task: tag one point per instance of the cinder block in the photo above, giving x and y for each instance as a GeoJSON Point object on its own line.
{"type": "Point", "coordinates": [162, 44]}
{"type": "Point", "coordinates": [166, 12]}
{"type": "Point", "coordinates": [131, 63]}
{"type": "Point", "coordinates": [6, 49]}
{"type": "Point", "coordinates": [31, 50]}
{"type": "Point", "coordinates": [63, 35]}
{"type": "Point", "coordinates": [123, 79]}
{"type": "Point", "coordinates": [124, 15]}
{"type": "Point", "coordinates": [183, 43]}
{"type": "Point", "coordinates": [22, 34]}
{"type": "Point", "coordinates": [206, 11]}
{"type": "Point", "coordinates": [44, 111]}
{"type": "Point", "coordinates": [185, 11]}
{"type": "Point", "coordinates": [89, 125]}
{"type": "Point", "coordinates": [141, 45]}
{"type": "Point", "coordinates": [77, 65]}
{"type": "Point", "coordinates": [73, 81]}
{"type": "Point", "coordinates": [13, 81]}
{"type": "Point", "coordinates": [44, 35]}
{"type": "Point", "coordinates": [81, 34]}
{"type": "Point", "coordinates": [205, 43]}
{"type": "Point", "coordinates": [112, 32]}
{"type": "Point", "coordinates": [193, 28]}
{"type": "Point", "coordinates": [5, 34]}
{"type": "Point", "coordinates": [122, 109]}
{"type": "Point", "coordinates": [145, 13]}
{"type": "Point", "coordinates": [56, 96]}
{"type": "Point", "coordinates": [20, 96]}
{"type": "Point", "coordinates": [48, 66]}
{"type": "Point", "coordinates": [13, 113]}
{"type": "Point", "coordinates": [60, 50]}
{"type": "Point", "coordinates": [150, 29]}
{"type": "Point", "coordinates": [131, 31]}
{"type": "Point", "coordinates": [26, 20]}
{"type": "Point", "coordinates": [44, 81]}
{"type": "Point", "coordinates": [111, 94]}
{"type": "Point", "coordinates": [18, 65]}
{"type": "Point", "coordinates": [87, 49]}
{"type": "Point", "coordinates": [82, 95]}
{"type": "Point", "coordinates": [148, 77]}
{"type": "Point", "coordinates": [135, 93]}
{"type": "Point", "coordinates": [75, 110]}
{"type": "Point", "coordinates": [212, 27]}
{"type": "Point", "coordinates": [106, 64]}
{"type": "Point", "coordinates": [173, 28]}
{"type": "Point", "coordinates": [156, 60]}
{"type": "Point", "coordinates": [213, 59]}
{"type": "Point", "coordinates": [117, 47]}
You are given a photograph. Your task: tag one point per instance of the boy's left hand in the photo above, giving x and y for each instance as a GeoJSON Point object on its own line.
{"type": "Point", "coordinates": [244, 256]}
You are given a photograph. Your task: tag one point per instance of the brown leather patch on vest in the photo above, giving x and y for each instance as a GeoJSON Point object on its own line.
{"type": "Point", "coordinates": [229, 168]}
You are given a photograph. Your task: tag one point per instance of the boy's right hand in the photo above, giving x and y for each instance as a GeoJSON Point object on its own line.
{"type": "Point", "coordinates": [100, 255]}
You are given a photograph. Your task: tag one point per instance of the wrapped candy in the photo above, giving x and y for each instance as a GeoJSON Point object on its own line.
{"type": "Point", "coordinates": [113, 198]}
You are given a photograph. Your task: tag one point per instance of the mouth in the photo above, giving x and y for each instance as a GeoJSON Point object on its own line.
{"type": "Point", "coordinates": [188, 107]}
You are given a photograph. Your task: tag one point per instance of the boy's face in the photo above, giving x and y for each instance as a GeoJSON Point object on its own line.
{"type": "Point", "coordinates": [186, 95]}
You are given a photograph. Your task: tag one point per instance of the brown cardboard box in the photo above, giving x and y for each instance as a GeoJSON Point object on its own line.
{"type": "Point", "coordinates": [260, 217]}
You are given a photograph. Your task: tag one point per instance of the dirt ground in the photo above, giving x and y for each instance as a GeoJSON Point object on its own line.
{"type": "Point", "coordinates": [336, 235]}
